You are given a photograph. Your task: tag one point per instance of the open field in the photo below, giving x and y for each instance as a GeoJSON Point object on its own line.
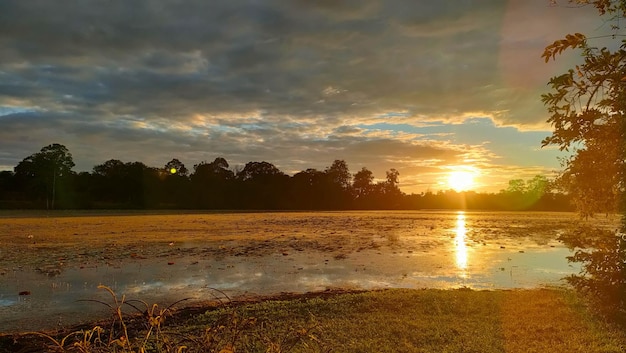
{"type": "Point", "coordinates": [379, 321]}
{"type": "Point", "coordinates": [60, 257]}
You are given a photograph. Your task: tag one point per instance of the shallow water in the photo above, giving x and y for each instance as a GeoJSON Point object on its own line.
{"type": "Point", "coordinates": [390, 250]}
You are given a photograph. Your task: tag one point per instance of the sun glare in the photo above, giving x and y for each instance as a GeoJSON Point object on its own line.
{"type": "Point", "coordinates": [461, 180]}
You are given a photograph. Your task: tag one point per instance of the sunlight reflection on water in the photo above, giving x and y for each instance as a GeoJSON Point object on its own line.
{"type": "Point", "coordinates": [460, 245]}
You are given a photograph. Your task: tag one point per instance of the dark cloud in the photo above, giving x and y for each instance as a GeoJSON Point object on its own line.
{"type": "Point", "coordinates": [235, 56]}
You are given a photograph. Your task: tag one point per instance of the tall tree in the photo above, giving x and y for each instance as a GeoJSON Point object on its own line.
{"type": "Point", "coordinates": [338, 183]}
{"type": "Point", "coordinates": [45, 169]}
{"type": "Point", "coordinates": [587, 106]}
{"type": "Point", "coordinates": [393, 179]}
{"type": "Point", "coordinates": [262, 186]}
{"type": "Point", "coordinates": [339, 174]}
{"type": "Point", "coordinates": [176, 186]}
{"type": "Point", "coordinates": [391, 192]}
{"type": "Point", "coordinates": [211, 184]}
{"type": "Point", "coordinates": [308, 189]}
{"type": "Point", "coordinates": [362, 184]}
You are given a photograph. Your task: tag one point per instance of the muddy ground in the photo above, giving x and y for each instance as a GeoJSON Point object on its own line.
{"type": "Point", "coordinates": [52, 242]}
{"type": "Point", "coordinates": [60, 258]}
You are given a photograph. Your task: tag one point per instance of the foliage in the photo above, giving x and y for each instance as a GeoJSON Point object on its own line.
{"type": "Point", "coordinates": [115, 184]}
{"type": "Point", "coordinates": [603, 276]}
{"type": "Point", "coordinates": [43, 171]}
{"type": "Point", "coordinates": [362, 184]}
{"type": "Point", "coordinates": [339, 174]}
{"type": "Point", "coordinates": [210, 184]}
{"type": "Point", "coordinates": [587, 106]}
{"type": "Point", "coordinates": [528, 194]}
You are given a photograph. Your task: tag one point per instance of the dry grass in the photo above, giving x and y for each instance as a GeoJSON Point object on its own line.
{"type": "Point", "coordinates": [555, 321]}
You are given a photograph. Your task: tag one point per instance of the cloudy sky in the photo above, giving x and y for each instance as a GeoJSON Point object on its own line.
{"type": "Point", "coordinates": [426, 87]}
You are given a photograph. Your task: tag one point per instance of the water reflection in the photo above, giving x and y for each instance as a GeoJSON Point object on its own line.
{"type": "Point", "coordinates": [407, 250]}
{"type": "Point", "coordinates": [460, 245]}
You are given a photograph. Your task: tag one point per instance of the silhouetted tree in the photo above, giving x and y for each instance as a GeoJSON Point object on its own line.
{"type": "Point", "coordinates": [109, 182]}
{"type": "Point", "coordinates": [307, 190]}
{"type": "Point", "coordinates": [393, 179]}
{"type": "Point", "coordinates": [131, 184]}
{"type": "Point", "coordinates": [143, 183]}
{"type": "Point", "coordinates": [362, 184]}
{"type": "Point", "coordinates": [212, 184]}
{"type": "Point", "coordinates": [391, 192]}
{"type": "Point", "coordinates": [45, 170]}
{"type": "Point", "coordinates": [262, 186]}
{"type": "Point", "coordinates": [339, 174]}
{"type": "Point", "coordinates": [83, 185]}
{"type": "Point", "coordinates": [337, 187]}
{"type": "Point", "coordinates": [176, 186]}
{"type": "Point", "coordinates": [10, 192]}
{"type": "Point", "coordinates": [257, 185]}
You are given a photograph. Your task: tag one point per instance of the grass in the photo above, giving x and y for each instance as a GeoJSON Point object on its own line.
{"type": "Point", "coordinates": [398, 320]}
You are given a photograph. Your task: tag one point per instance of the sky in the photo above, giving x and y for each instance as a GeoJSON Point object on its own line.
{"type": "Point", "coordinates": [425, 87]}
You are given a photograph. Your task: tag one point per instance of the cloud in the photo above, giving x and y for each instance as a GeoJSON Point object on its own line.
{"type": "Point", "coordinates": [286, 81]}
{"type": "Point", "coordinates": [217, 57]}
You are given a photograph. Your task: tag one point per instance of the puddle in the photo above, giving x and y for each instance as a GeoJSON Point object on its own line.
{"type": "Point", "coordinates": [457, 252]}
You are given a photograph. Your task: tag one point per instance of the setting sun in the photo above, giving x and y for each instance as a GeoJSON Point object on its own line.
{"type": "Point", "coordinates": [461, 180]}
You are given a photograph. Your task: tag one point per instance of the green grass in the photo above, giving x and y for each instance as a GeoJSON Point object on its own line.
{"type": "Point", "coordinates": [397, 320]}
{"type": "Point", "coordinates": [445, 321]}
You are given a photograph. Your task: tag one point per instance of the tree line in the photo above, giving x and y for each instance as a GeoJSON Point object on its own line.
{"type": "Point", "coordinates": [45, 180]}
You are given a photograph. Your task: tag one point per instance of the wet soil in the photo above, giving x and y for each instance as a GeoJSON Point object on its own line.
{"type": "Point", "coordinates": [55, 258]}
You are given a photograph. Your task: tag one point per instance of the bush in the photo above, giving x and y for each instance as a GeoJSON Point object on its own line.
{"type": "Point", "coordinates": [602, 254]}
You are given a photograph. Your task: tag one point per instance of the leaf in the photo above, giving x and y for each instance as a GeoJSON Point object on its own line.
{"type": "Point", "coordinates": [575, 40]}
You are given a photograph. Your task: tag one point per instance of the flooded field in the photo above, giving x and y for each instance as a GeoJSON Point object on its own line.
{"type": "Point", "coordinates": [57, 260]}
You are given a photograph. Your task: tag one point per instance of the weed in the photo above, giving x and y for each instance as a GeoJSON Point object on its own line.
{"type": "Point", "coordinates": [144, 331]}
